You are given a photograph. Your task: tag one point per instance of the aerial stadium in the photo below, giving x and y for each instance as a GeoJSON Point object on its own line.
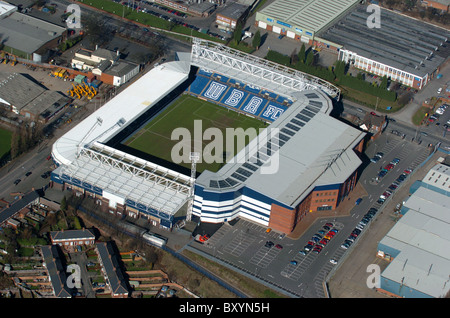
{"type": "Point", "coordinates": [120, 154]}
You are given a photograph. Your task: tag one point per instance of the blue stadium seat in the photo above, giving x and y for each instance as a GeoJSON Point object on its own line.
{"type": "Point", "coordinates": [247, 99]}
{"type": "Point", "coordinates": [199, 85]}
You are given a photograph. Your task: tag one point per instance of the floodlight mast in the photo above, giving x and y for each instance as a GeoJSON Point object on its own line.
{"type": "Point", "coordinates": [194, 157]}
{"type": "Point", "coordinates": [98, 122]}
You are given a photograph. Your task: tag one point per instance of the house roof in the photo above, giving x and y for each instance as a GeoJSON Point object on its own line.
{"type": "Point", "coordinates": [68, 235]}
{"type": "Point", "coordinates": [55, 271]}
{"type": "Point", "coordinates": [112, 268]}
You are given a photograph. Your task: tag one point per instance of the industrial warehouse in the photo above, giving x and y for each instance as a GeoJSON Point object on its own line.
{"type": "Point", "coordinates": [418, 245]}
{"type": "Point", "coordinates": [318, 155]}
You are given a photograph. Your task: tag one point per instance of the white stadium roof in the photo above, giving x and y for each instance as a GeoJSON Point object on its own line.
{"type": "Point", "coordinates": [128, 105]}
{"type": "Point", "coordinates": [83, 157]}
{"type": "Point", "coordinates": [319, 153]}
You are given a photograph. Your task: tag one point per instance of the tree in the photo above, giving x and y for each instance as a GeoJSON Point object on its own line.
{"type": "Point", "coordinates": [63, 204]}
{"type": "Point", "coordinates": [309, 58]}
{"type": "Point", "coordinates": [302, 54]}
{"type": "Point", "coordinates": [257, 40]}
{"type": "Point", "coordinates": [237, 35]}
{"type": "Point", "coordinates": [384, 82]}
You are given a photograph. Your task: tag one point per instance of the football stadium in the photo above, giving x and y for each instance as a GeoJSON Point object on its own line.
{"type": "Point", "coordinates": [303, 160]}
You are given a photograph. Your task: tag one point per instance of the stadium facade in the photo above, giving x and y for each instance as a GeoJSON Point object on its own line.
{"type": "Point", "coordinates": [315, 155]}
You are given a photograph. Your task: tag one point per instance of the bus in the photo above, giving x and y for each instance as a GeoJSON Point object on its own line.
{"type": "Point", "coordinates": [154, 239]}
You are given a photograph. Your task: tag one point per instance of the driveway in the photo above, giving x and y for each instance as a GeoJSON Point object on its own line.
{"type": "Point", "coordinates": [430, 90]}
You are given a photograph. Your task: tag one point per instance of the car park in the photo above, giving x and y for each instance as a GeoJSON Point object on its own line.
{"type": "Point", "coordinates": [392, 187]}
{"type": "Point", "coordinates": [323, 242]}
{"type": "Point", "coordinates": [375, 159]}
{"type": "Point", "coordinates": [345, 246]}
{"type": "Point", "coordinates": [381, 200]}
{"type": "Point", "coordinates": [382, 173]}
{"type": "Point", "coordinates": [308, 247]}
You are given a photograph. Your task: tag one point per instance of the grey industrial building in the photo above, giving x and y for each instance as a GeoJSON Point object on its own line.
{"type": "Point", "coordinates": [26, 36]}
{"type": "Point", "coordinates": [407, 50]}
{"type": "Point", "coordinates": [23, 96]}
{"type": "Point", "coordinates": [302, 19]}
{"type": "Point", "coordinates": [419, 243]}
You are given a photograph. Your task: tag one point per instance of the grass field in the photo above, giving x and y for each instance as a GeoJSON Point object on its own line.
{"type": "Point", "coordinates": [5, 141]}
{"type": "Point", "coordinates": [155, 137]}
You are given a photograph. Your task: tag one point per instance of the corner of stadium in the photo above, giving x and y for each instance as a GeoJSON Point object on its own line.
{"type": "Point", "coordinates": [316, 155]}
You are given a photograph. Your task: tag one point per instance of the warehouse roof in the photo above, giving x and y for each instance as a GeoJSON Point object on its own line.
{"type": "Point", "coordinates": [312, 15]}
{"type": "Point", "coordinates": [439, 176]}
{"type": "Point", "coordinates": [402, 42]}
{"type": "Point", "coordinates": [234, 11]}
{"type": "Point", "coordinates": [13, 83]}
{"type": "Point", "coordinates": [47, 103]}
{"type": "Point", "coordinates": [27, 33]}
{"type": "Point", "coordinates": [423, 238]}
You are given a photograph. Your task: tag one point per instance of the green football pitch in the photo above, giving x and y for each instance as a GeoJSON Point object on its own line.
{"type": "Point", "coordinates": [155, 137]}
